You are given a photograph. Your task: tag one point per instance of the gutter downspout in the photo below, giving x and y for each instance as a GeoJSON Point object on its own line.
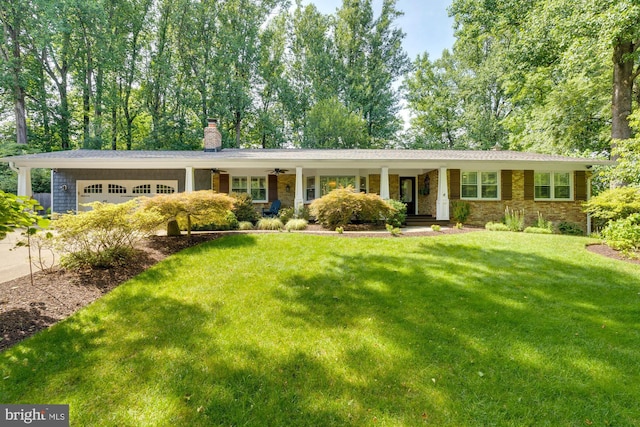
{"type": "Point", "coordinates": [588, 198]}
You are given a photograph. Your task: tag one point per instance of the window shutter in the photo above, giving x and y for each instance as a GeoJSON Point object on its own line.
{"type": "Point", "coordinates": [273, 187]}
{"type": "Point", "coordinates": [224, 183]}
{"type": "Point", "coordinates": [580, 179]}
{"type": "Point", "coordinates": [454, 184]}
{"type": "Point", "coordinates": [507, 184]}
{"type": "Point", "coordinates": [528, 185]}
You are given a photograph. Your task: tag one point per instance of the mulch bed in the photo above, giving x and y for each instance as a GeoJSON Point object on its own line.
{"type": "Point", "coordinates": [604, 250]}
{"type": "Point", "coordinates": [26, 309]}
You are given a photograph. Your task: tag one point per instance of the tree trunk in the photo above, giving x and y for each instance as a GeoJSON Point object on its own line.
{"type": "Point", "coordinates": [622, 91]}
{"type": "Point", "coordinates": [622, 99]}
{"type": "Point", "coordinates": [238, 121]}
{"type": "Point", "coordinates": [18, 90]}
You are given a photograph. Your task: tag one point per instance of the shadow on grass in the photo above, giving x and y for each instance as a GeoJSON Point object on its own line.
{"type": "Point", "coordinates": [445, 334]}
{"type": "Point", "coordinates": [503, 335]}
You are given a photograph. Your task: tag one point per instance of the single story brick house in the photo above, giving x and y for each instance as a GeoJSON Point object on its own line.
{"type": "Point", "coordinates": [426, 180]}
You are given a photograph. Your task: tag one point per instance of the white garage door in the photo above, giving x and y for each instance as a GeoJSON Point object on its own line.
{"type": "Point", "coordinates": [120, 191]}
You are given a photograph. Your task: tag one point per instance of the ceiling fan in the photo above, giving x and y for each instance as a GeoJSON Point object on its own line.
{"type": "Point", "coordinates": [217, 171]}
{"type": "Point", "coordinates": [277, 171]}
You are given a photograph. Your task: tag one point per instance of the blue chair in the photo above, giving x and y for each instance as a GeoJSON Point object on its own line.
{"type": "Point", "coordinates": [273, 209]}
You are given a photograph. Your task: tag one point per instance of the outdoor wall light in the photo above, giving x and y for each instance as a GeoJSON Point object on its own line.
{"type": "Point", "coordinates": [288, 188]}
{"type": "Point", "coordinates": [64, 187]}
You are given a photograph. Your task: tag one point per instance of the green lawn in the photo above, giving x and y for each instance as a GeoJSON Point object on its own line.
{"type": "Point", "coordinates": [289, 329]}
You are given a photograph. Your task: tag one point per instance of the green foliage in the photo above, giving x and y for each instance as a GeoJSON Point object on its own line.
{"type": "Point", "coordinates": [436, 227]}
{"type": "Point", "coordinates": [570, 229]}
{"type": "Point", "coordinates": [339, 230]}
{"type": "Point", "coordinates": [614, 204]}
{"type": "Point", "coordinates": [104, 236]}
{"type": "Point", "coordinates": [229, 222]}
{"type": "Point", "coordinates": [243, 207]}
{"type": "Point", "coordinates": [543, 223]}
{"type": "Point", "coordinates": [331, 125]}
{"type": "Point", "coordinates": [197, 208]}
{"type": "Point", "coordinates": [245, 225]}
{"type": "Point", "coordinates": [460, 210]}
{"type": "Point", "coordinates": [286, 214]}
{"type": "Point", "coordinates": [269, 224]}
{"type": "Point", "coordinates": [624, 235]}
{"type": "Point", "coordinates": [538, 230]}
{"type": "Point", "coordinates": [296, 224]}
{"type": "Point", "coordinates": [496, 226]}
{"type": "Point", "coordinates": [399, 216]}
{"type": "Point", "coordinates": [459, 226]}
{"type": "Point", "coordinates": [17, 212]}
{"type": "Point", "coordinates": [342, 205]}
{"type": "Point", "coordinates": [513, 219]}
{"type": "Point", "coordinates": [395, 231]}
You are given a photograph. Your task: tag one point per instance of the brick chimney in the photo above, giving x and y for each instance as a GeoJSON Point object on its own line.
{"type": "Point", "coordinates": [212, 136]}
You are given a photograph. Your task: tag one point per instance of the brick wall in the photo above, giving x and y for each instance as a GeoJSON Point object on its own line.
{"type": "Point", "coordinates": [555, 211]}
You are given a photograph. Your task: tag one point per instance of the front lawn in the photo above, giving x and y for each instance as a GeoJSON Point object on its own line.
{"type": "Point", "coordinates": [288, 329]}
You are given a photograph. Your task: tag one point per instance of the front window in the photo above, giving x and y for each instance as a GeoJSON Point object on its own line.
{"type": "Point", "coordinates": [479, 185]}
{"type": "Point", "coordinates": [552, 185]}
{"type": "Point", "coordinates": [239, 184]}
{"type": "Point", "coordinates": [311, 188]}
{"type": "Point", "coordinates": [330, 183]}
{"type": "Point", "coordinates": [256, 186]}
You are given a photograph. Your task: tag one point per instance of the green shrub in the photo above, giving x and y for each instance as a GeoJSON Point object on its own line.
{"type": "Point", "coordinates": [543, 223]}
{"type": "Point", "coordinates": [198, 208]}
{"type": "Point", "coordinates": [624, 234]}
{"type": "Point", "coordinates": [570, 228]}
{"type": "Point", "coordinates": [104, 236]}
{"type": "Point", "coordinates": [303, 213]}
{"type": "Point", "coordinates": [286, 214]}
{"type": "Point", "coordinates": [436, 227]}
{"type": "Point", "coordinates": [458, 226]}
{"type": "Point", "coordinates": [341, 206]}
{"type": "Point", "coordinates": [229, 222]}
{"type": "Point", "coordinates": [460, 210]}
{"type": "Point", "coordinates": [269, 224]}
{"type": "Point", "coordinates": [614, 204]}
{"type": "Point", "coordinates": [296, 224]}
{"type": "Point", "coordinates": [17, 212]}
{"type": "Point", "coordinates": [399, 216]}
{"type": "Point", "coordinates": [395, 231]}
{"type": "Point", "coordinates": [245, 225]}
{"type": "Point", "coordinates": [513, 219]}
{"type": "Point", "coordinates": [496, 226]}
{"type": "Point", "coordinates": [339, 230]}
{"type": "Point", "coordinates": [243, 208]}
{"type": "Point", "coordinates": [537, 230]}
{"type": "Point", "coordinates": [372, 209]}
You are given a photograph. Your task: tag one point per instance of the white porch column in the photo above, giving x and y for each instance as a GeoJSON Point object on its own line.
{"type": "Point", "coordinates": [188, 181]}
{"type": "Point", "coordinates": [442, 203]}
{"type": "Point", "coordinates": [24, 182]}
{"type": "Point", "coordinates": [384, 183]}
{"type": "Point", "coordinates": [298, 201]}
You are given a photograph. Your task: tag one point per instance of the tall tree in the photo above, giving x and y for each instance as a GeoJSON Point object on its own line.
{"type": "Point", "coordinates": [434, 98]}
{"type": "Point", "coordinates": [372, 59]}
{"type": "Point", "coordinates": [12, 16]}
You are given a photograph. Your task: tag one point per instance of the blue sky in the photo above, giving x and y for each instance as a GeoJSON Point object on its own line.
{"type": "Point", "coordinates": [425, 22]}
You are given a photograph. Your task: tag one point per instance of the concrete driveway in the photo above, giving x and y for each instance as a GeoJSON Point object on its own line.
{"type": "Point", "coordinates": [14, 263]}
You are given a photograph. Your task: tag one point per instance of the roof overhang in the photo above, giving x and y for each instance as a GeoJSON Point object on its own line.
{"type": "Point", "coordinates": [318, 159]}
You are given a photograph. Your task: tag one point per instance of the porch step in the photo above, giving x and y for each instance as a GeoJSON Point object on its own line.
{"type": "Point", "coordinates": [423, 220]}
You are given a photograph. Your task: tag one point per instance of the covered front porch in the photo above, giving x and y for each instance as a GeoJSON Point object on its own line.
{"type": "Point", "coordinates": [299, 186]}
